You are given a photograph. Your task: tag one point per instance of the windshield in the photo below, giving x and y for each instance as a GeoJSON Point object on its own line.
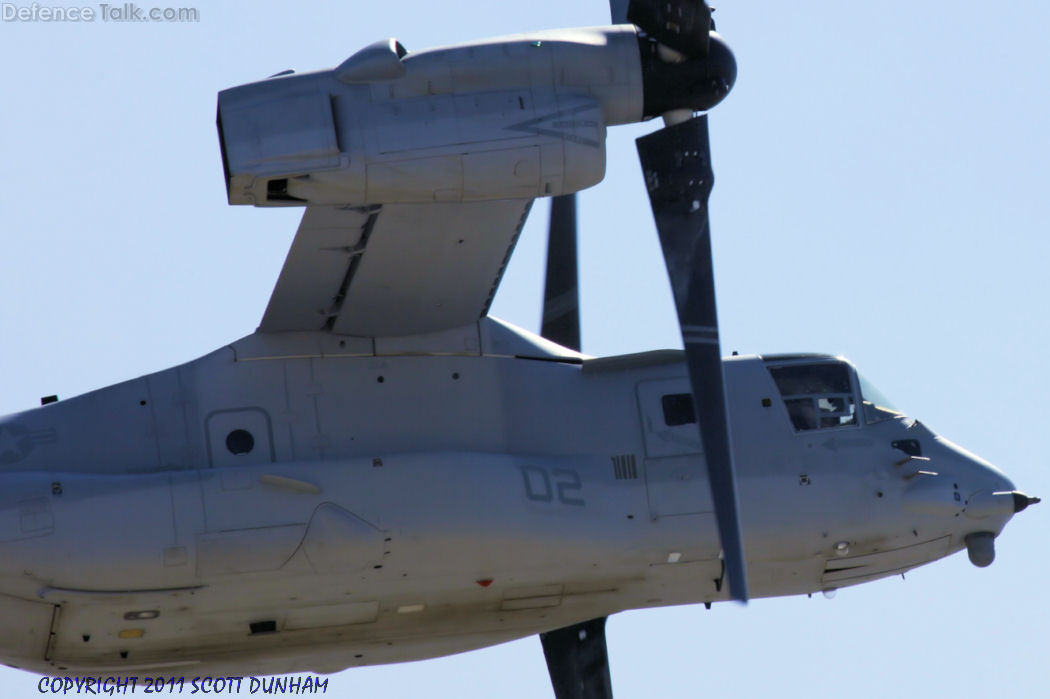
{"type": "Point", "coordinates": [877, 407]}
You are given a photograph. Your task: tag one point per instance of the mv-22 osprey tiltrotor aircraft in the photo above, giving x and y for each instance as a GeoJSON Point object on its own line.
{"type": "Point", "coordinates": [383, 472]}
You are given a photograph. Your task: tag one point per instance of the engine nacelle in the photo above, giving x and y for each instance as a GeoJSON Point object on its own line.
{"type": "Point", "coordinates": [517, 117]}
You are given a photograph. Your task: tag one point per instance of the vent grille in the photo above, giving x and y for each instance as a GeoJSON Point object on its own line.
{"type": "Point", "coordinates": [625, 467]}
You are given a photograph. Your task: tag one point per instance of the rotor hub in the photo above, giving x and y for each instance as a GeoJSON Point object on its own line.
{"type": "Point", "coordinates": [683, 82]}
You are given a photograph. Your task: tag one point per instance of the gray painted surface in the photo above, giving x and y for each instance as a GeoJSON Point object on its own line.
{"type": "Point", "coordinates": [455, 470]}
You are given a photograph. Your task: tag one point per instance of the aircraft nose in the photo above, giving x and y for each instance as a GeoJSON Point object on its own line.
{"type": "Point", "coordinates": [992, 501]}
{"type": "Point", "coordinates": [1022, 501]}
{"type": "Point", "coordinates": [988, 511]}
{"type": "Point", "coordinates": [989, 503]}
{"type": "Point", "coordinates": [977, 474]}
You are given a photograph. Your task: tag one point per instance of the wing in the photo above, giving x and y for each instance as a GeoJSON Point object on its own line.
{"type": "Point", "coordinates": [395, 269]}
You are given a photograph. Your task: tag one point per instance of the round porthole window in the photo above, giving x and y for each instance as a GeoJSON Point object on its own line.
{"type": "Point", "coordinates": [240, 442]}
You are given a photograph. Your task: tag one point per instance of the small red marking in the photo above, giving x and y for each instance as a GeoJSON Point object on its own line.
{"type": "Point", "coordinates": [485, 583]}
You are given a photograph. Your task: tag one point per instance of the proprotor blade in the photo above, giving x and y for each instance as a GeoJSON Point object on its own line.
{"type": "Point", "coordinates": [578, 661]}
{"type": "Point", "coordinates": [561, 295]}
{"type": "Point", "coordinates": [683, 25]}
{"type": "Point", "coordinates": [676, 162]}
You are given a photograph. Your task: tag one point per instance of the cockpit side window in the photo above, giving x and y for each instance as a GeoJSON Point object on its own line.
{"type": "Point", "coordinates": [817, 396]}
{"type": "Point", "coordinates": [678, 409]}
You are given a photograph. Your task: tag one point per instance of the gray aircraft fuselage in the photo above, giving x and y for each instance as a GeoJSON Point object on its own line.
{"type": "Point", "coordinates": [301, 501]}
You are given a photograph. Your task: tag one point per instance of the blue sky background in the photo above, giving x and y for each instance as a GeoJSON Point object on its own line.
{"type": "Point", "coordinates": [881, 193]}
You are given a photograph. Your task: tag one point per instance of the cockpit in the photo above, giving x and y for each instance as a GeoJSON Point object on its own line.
{"type": "Point", "coordinates": [822, 392]}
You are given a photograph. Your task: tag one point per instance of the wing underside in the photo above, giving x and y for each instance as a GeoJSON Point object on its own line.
{"type": "Point", "coordinates": [395, 269]}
